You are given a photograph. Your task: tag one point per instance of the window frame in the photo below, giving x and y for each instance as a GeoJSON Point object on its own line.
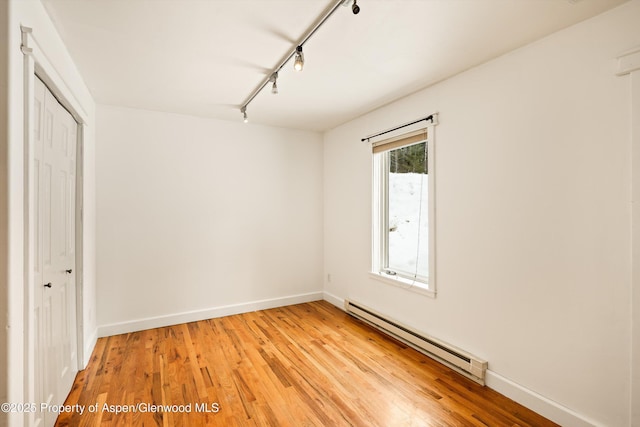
{"type": "Point", "coordinates": [380, 211]}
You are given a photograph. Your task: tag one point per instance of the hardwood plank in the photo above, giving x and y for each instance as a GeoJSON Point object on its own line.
{"type": "Point", "coordinates": [303, 365]}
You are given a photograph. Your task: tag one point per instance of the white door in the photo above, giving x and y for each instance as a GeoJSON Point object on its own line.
{"type": "Point", "coordinates": [55, 311]}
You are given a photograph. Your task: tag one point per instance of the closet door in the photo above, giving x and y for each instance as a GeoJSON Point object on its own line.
{"type": "Point", "coordinates": [55, 309]}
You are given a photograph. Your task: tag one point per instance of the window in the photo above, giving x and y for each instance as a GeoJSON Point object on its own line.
{"type": "Point", "coordinates": [403, 211]}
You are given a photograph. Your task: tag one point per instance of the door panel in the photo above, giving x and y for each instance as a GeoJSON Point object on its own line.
{"type": "Point", "coordinates": [54, 294]}
{"type": "Point", "coordinates": [49, 276]}
{"type": "Point", "coordinates": [68, 367]}
{"type": "Point", "coordinates": [38, 207]}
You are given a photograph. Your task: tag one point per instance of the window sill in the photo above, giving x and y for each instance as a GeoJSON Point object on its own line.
{"type": "Point", "coordinates": [401, 282]}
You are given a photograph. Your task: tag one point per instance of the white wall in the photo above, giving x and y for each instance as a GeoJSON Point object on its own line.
{"type": "Point", "coordinates": [32, 14]}
{"type": "Point", "coordinates": [533, 219]}
{"type": "Point", "coordinates": [199, 217]}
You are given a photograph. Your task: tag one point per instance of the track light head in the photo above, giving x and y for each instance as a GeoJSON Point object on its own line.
{"type": "Point", "coordinates": [298, 62]}
{"type": "Point", "coordinates": [355, 8]}
{"type": "Point", "coordinates": [274, 80]}
{"type": "Point", "coordinates": [243, 110]}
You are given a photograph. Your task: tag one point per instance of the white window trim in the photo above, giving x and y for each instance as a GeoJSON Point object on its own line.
{"type": "Point", "coordinates": [404, 283]}
{"type": "Point", "coordinates": [380, 210]}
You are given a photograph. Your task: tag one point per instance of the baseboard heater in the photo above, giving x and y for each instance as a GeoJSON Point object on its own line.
{"type": "Point", "coordinates": [458, 360]}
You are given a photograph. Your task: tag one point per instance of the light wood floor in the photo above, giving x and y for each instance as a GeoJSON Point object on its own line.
{"type": "Point", "coordinates": [303, 365]}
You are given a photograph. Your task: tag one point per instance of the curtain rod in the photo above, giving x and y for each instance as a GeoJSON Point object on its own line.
{"type": "Point", "coordinates": [429, 117]}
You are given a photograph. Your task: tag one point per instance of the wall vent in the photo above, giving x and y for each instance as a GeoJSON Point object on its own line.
{"type": "Point", "coordinates": [458, 360]}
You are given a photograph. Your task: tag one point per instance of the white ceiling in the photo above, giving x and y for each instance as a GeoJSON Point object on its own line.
{"type": "Point", "coordinates": [205, 57]}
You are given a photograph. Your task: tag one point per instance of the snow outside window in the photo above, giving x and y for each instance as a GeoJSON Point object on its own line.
{"type": "Point", "coordinates": [403, 211]}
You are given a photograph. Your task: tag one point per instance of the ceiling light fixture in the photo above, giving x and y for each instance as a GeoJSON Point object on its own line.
{"type": "Point", "coordinates": [274, 80]}
{"type": "Point", "coordinates": [298, 62]}
{"type": "Point", "coordinates": [355, 8]}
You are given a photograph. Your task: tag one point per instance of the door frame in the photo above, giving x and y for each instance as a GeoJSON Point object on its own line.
{"type": "Point", "coordinates": [36, 63]}
{"type": "Point", "coordinates": [629, 65]}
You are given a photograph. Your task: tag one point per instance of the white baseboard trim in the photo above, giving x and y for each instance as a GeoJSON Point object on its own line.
{"type": "Point", "coordinates": [89, 345]}
{"type": "Point", "coordinates": [209, 313]}
{"type": "Point", "coordinates": [536, 402]}
{"type": "Point", "coordinates": [337, 301]}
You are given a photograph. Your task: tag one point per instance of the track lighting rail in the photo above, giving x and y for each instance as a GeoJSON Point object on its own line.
{"type": "Point", "coordinates": [310, 32]}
